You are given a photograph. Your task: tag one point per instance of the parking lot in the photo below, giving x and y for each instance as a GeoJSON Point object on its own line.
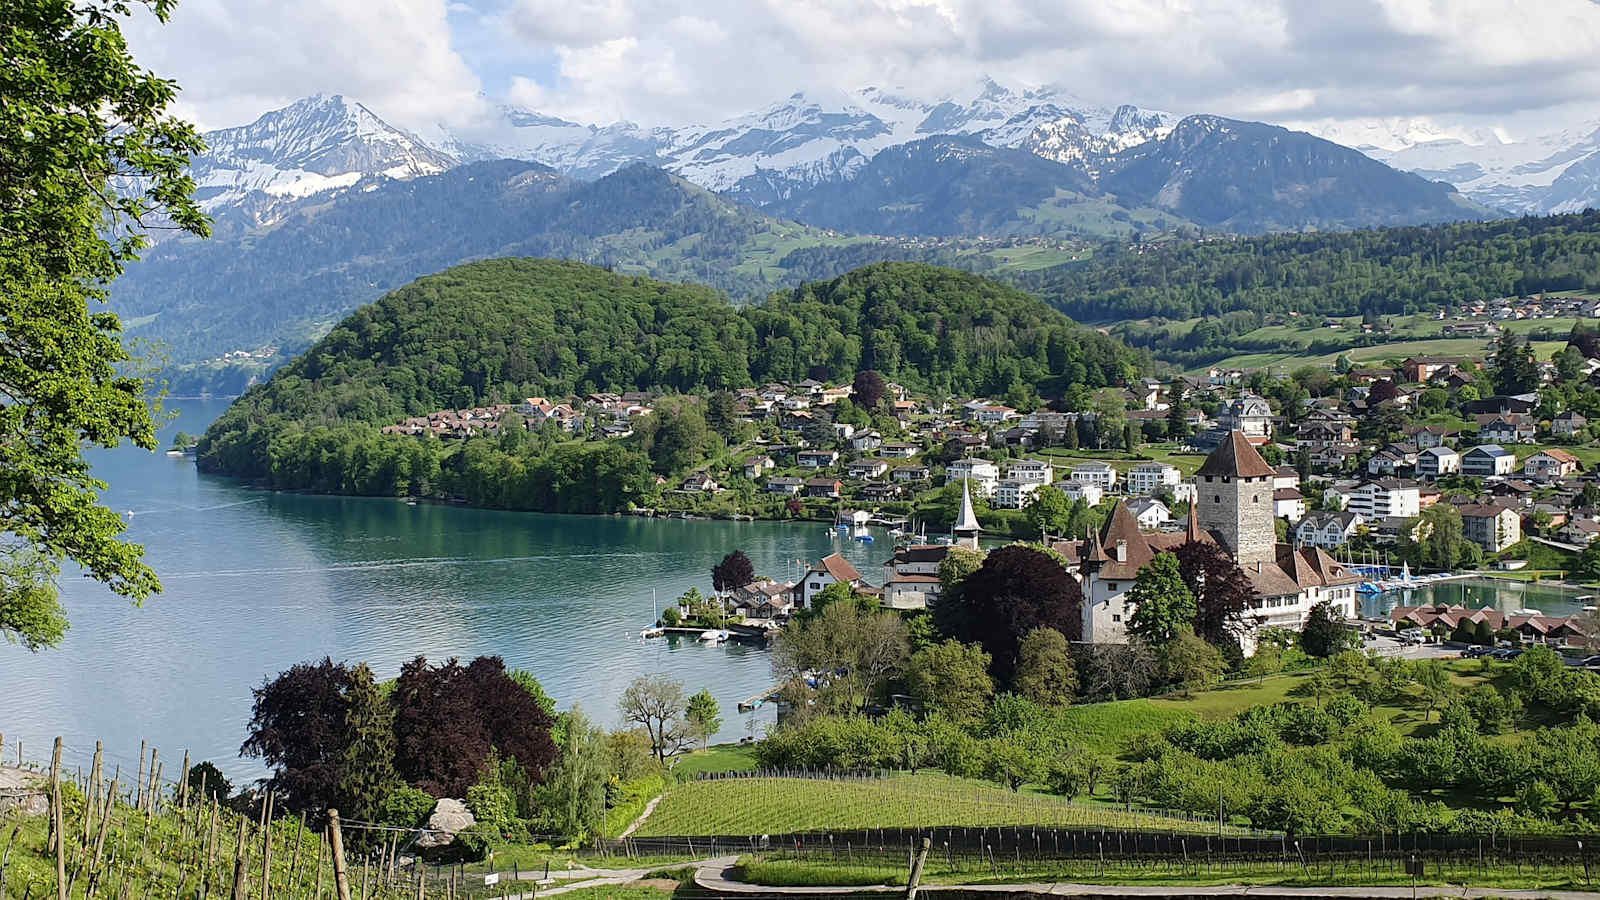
{"type": "Point", "coordinates": [1388, 646]}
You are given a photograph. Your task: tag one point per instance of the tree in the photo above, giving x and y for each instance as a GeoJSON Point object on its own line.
{"type": "Point", "coordinates": [868, 388]}
{"type": "Point", "coordinates": [734, 572]}
{"type": "Point", "coordinates": [1441, 530]}
{"type": "Point", "coordinates": [721, 415]}
{"type": "Point", "coordinates": [1049, 511]}
{"type": "Point", "coordinates": [297, 727]}
{"type": "Point", "coordinates": [858, 648]}
{"type": "Point", "coordinates": [88, 158]}
{"type": "Point", "coordinates": [207, 783]}
{"type": "Point", "coordinates": [366, 771]}
{"type": "Point", "coordinates": [1431, 676]}
{"type": "Point", "coordinates": [1162, 603]}
{"type": "Point", "coordinates": [1589, 562]}
{"type": "Point", "coordinates": [449, 718]}
{"type": "Point", "coordinates": [1324, 634]}
{"type": "Point", "coordinates": [951, 678]}
{"type": "Point", "coordinates": [1188, 661]}
{"type": "Point", "coordinates": [1013, 760]}
{"type": "Point", "coordinates": [655, 703]}
{"type": "Point", "coordinates": [1222, 592]}
{"type": "Point", "coordinates": [674, 436]}
{"type": "Point", "coordinates": [1016, 590]}
{"type": "Point", "coordinates": [573, 795]}
{"type": "Point", "coordinates": [703, 715]}
{"type": "Point", "coordinates": [1515, 371]}
{"type": "Point", "coordinates": [950, 611]}
{"type": "Point", "coordinates": [1045, 672]}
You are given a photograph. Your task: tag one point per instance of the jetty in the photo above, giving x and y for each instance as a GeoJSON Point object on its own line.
{"type": "Point", "coordinates": [751, 704]}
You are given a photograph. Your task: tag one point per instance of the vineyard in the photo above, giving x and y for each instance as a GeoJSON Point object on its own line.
{"type": "Point", "coordinates": [762, 805]}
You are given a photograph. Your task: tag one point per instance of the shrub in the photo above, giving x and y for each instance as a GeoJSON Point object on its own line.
{"type": "Point", "coordinates": [407, 807]}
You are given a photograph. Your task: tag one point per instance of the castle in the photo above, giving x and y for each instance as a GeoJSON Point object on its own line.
{"type": "Point", "coordinates": [1233, 509]}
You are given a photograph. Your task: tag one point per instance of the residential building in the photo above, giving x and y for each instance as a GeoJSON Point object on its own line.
{"type": "Point", "coordinates": [1285, 476]}
{"type": "Point", "coordinates": [1184, 492]}
{"type": "Point", "coordinates": [982, 473]}
{"type": "Point", "coordinates": [911, 473]}
{"type": "Point", "coordinates": [1288, 504]}
{"type": "Point", "coordinates": [1149, 512]}
{"type": "Point", "coordinates": [1568, 424]}
{"type": "Point", "coordinates": [1438, 461]}
{"type": "Point", "coordinates": [1326, 529]}
{"type": "Point", "coordinates": [867, 468]}
{"type": "Point", "coordinates": [1248, 414]}
{"type": "Point", "coordinates": [1393, 459]}
{"type": "Point", "coordinates": [1087, 491]}
{"type": "Point", "coordinates": [1386, 497]}
{"type": "Point", "coordinates": [833, 569]}
{"type": "Point", "coordinates": [1488, 461]}
{"type": "Point", "coordinates": [756, 466]}
{"type": "Point", "coordinates": [1013, 493]}
{"type": "Point", "coordinates": [816, 459]}
{"type": "Point", "coordinates": [1151, 478]}
{"type": "Point", "coordinates": [866, 441]}
{"type": "Point", "coordinates": [1510, 428]}
{"type": "Point", "coordinates": [1581, 532]}
{"type": "Point", "coordinates": [700, 482]}
{"type": "Point", "coordinates": [1550, 465]}
{"type": "Point", "coordinates": [823, 487]}
{"type": "Point", "coordinates": [785, 485]}
{"type": "Point", "coordinates": [1034, 471]}
{"type": "Point", "coordinates": [1491, 526]}
{"type": "Point", "coordinates": [1421, 369]}
{"type": "Point", "coordinates": [1100, 473]}
{"type": "Point", "coordinates": [899, 450]}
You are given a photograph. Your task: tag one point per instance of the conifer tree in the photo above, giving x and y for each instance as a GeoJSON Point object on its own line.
{"type": "Point", "coordinates": [367, 774]}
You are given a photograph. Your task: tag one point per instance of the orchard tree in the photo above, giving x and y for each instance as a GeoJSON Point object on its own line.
{"type": "Point", "coordinates": [952, 678]}
{"type": "Point", "coordinates": [703, 715]}
{"type": "Point", "coordinates": [1162, 603]}
{"type": "Point", "coordinates": [89, 158]}
{"type": "Point", "coordinates": [1016, 590]}
{"type": "Point", "coordinates": [655, 703]}
{"type": "Point", "coordinates": [860, 648]}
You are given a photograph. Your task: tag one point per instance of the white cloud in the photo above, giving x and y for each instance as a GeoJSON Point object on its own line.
{"type": "Point", "coordinates": [238, 58]}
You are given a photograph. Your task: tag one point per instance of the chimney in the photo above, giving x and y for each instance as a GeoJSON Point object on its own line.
{"type": "Point", "coordinates": [1122, 551]}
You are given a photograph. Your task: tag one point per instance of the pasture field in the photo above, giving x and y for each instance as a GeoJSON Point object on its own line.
{"type": "Point", "coordinates": [779, 805]}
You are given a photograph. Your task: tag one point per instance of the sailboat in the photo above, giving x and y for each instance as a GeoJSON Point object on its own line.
{"type": "Point", "coordinates": [654, 629]}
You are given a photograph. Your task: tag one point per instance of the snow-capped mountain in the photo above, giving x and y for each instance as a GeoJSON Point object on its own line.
{"type": "Point", "coordinates": [1553, 172]}
{"type": "Point", "coordinates": [312, 145]}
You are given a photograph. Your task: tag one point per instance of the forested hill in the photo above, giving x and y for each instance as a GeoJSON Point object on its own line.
{"type": "Point", "coordinates": [1386, 271]}
{"type": "Point", "coordinates": [504, 329]}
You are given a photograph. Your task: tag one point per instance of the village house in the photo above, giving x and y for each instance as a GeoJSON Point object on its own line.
{"type": "Point", "coordinates": [764, 599]}
{"type": "Point", "coordinates": [823, 487]}
{"type": "Point", "coordinates": [1510, 428]}
{"type": "Point", "coordinates": [816, 459]}
{"type": "Point", "coordinates": [867, 468]}
{"type": "Point", "coordinates": [1288, 504]}
{"type": "Point", "coordinates": [899, 450]}
{"type": "Point", "coordinates": [1488, 461]}
{"type": "Point", "coordinates": [1151, 478]}
{"type": "Point", "coordinates": [866, 442]}
{"type": "Point", "coordinates": [1582, 532]}
{"type": "Point", "coordinates": [834, 569]}
{"type": "Point", "coordinates": [1327, 529]}
{"type": "Point", "coordinates": [1550, 465]}
{"type": "Point", "coordinates": [911, 473]}
{"type": "Point", "coordinates": [1149, 512]}
{"type": "Point", "coordinates": [1568, 424]}
{"type": "Point", "coordinates": [700, 482]}
{"type": "Point", "coordinates": [1033, 471]}
{"type": "Point", "coordinates": [784, 484]}
{"type": "Point", "coordinates": [1438, 461]}
{"type": "Point", "coordinates": [1248, 414]}
{"type": "Point", "coordinates": [879, 492]}
{"type": "Point", "coordinates": [756, 466]}
{"type": "Point", "coordinates": [1285, 476]}
{"type": "Point", "coordinates": [1491, 526]}
{"type": "Point", "coordinates": [1531, 629]}
{"type": "Point", "coordinates": [1393, 459]}
{"type": "Point", "coordinates": [911, 576]}
{"type": "Point", "coordinates": [1421, 369]}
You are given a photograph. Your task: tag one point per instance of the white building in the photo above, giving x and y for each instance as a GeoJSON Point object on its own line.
{"type": "Point", "coordinates": [1327, 529]}
{"type": "Point", "coordinates": [1013, 493]}
{"type": "Point", "coordinates": [1087, 491]}
{"type": "Point", "coordinates": [832, 569]}
{"type": "Point", "coordinates": [911, 576]}
{"type": "Point", "coordinates": [1034, 471]}
{"type": "Point", "coordinates": [1436, 462]}
{"type": "Point", "coordinates": [1288, 504]}
{"type": "Point", "coordinates": [981, 473]}
{"type": "Point", "coordinates": [1386, 498]}
{"type": "Point", "coordinates": [1149, 512]}
{"type": "Point", "coordinates": [1099, 473]}
{"type": "Point", "coordinates": [1151, 478]}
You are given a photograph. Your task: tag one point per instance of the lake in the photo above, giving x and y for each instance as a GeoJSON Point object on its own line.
{"type": "Point", "coordinates": [1503, 594]}
{"type": "Point", "coordinates": [256, 581]}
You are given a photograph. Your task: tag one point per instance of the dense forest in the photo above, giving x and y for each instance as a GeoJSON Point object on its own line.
{"type": "Point", "coordinates": [1382, 271]}
{"type": "Point", "coordinates": [504, 329]}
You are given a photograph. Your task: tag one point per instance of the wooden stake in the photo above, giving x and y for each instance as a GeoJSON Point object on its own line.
{"type": "Point", "coordinates": [211, 841]}
{"type": "Point", "coordinates": [100, 839]}
{"type": "Point", "coordinates": [421, 888]}
{"type": "Point", "coordinates": [294, 865]}
{"type": "Point", "coordinates": [238, 865]}
{"type": "Point", "coordinates": [93, 792]}
{"type": "Point", "coordinates": [366, 876]}
{"type": "Point", "coordinates": [6, 859]}
{"type": "Point", "coordinates": [155, 786]}
{"type": "Point", "coordinates": [183, 783]}
{"type": "Point", "coordinates": [138, 784]}
{"type": "Point", "coordinates": [58, 822]}
{"type": "Point", "coordinates": [316, 892]}
{"type": "Point", "coordinates": [266, 849]}
{"type": "Point", "coordinates": [341, 880]}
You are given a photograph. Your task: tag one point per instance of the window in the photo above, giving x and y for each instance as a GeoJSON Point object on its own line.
{"type": "Point", "coordinates": [1116, 618]}
{"type": "Point", "coordinates": [1215, 498]}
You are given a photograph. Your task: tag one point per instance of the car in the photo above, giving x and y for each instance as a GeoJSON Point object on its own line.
{"type": "Point", "coordinates": [1589, 662]}
{"type": "Point", "coordinates": [1476, 651]}
{"type": "Point", "coordinates": [1506, 653]}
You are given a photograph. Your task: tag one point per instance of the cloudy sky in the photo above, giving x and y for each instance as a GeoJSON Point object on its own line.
{"type": "Point", "coordinates": [1523, 65]}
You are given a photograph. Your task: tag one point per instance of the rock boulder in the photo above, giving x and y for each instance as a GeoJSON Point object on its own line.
{"type": "Point", "coordinates": [449, 818]}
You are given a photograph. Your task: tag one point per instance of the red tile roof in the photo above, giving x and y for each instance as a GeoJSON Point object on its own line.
{"type": "Point", "coordinates": [1236, 458]}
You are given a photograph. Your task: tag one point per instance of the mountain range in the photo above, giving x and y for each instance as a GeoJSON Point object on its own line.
{"type": "Point", "coordinates": [323, 205]}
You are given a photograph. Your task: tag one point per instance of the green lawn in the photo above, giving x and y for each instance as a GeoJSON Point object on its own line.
{"type": "Point", "coordinates": [717, 758]}
{"type": "Point", "coordinates": [776, 805]}
{"type": "Point", "coordinates": [1472, 348]}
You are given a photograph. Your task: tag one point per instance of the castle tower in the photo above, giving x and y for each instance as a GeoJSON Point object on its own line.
{"type": "Point", "coordinates": [966, 528]}
{"type": "Point", "coordinates": [1234, 500]}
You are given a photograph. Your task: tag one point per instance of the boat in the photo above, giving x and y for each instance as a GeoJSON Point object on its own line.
{"type": "Point", "coordinates": [713, 636]}
{"type": "Point", "coordinates": [864, 538]}
{"type": "Point", "coordinates": [654, 631]}
{"type": "Point", "coordinates": [1527, 612]}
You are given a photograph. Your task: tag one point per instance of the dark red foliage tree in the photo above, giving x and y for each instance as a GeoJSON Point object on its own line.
{"type": "Point", "coordinates": [1222, 591]}
{"type": "Point", "coordinates": [1016, 590]}
{"type": "Point", "coordinates": [1382, 390]}
{"type": "Point", "coordinates": [297, 728]}
{"type": "Point", "coordinates": [448, 718]}
{"type": "Point", "coordinates": [868, 389]}
{"type": "Point", "coordinates": [734, 572]}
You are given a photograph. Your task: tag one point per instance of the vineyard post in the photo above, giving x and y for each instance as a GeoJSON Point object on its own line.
{"type": "Point", "coordinates": [6, 858]}
{"type": "Point", "coordinates": [150, 788]}
{"type": "Point", "coordinates": [316, 890]}
{"type": "Point", "coordinates": [58, 822]}
{"type": "Point", "coordinates": [237, 893]}
{"type": "Point", "coordinates": [93, 793]}
{"type": "Point", "coordinates": [916, 869]}
{"type": "Point", "coordinates": [183, 782]}
{"type": "Point", "coordinates": [138, 781]}
{"type": "Point", "coordinates": [266, 851]}
{"type": "Point", "coordinates": [294, 864]}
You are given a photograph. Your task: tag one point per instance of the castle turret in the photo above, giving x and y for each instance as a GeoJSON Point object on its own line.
{"type": "Point", "coordinates": [1234, 501]}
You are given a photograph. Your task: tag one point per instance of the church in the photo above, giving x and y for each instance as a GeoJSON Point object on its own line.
{"type": "Point", "coordinates": [1232, 508]}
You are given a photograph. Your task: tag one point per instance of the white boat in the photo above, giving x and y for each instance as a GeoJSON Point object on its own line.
{"type": "Point", "coordinates": [654, 631]}
{"type": "Point", "coordinates": [1527, 612]}
{"type": "Point", "coordinates": [713, 636]}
